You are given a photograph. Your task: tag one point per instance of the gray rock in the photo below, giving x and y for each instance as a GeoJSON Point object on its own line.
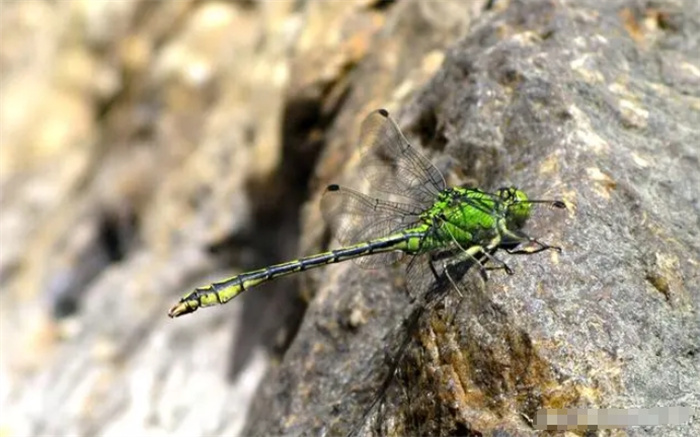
{"type": "Point", "coordinates": [594, 103]}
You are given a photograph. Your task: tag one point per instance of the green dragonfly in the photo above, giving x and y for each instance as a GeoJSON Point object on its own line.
{"type": "Point", "coordinates": [419, 218]}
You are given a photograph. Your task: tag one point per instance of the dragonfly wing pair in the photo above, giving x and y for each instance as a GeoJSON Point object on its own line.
{"type": "Point", "coordinates": [396, 170]}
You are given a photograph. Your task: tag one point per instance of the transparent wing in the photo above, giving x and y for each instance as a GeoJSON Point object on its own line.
{"type": "Point", "coordinates": [425, 270]}
{"type": "Point", "coordinates": [379, 259]}
{"type": "Point", "coordinates": [444, 265]}
{"type": "Point", "coordinates": [392, 166]}
{"type": "Point", "coordinates": [356, 218]}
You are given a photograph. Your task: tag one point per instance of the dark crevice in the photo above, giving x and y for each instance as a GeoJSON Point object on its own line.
{"type": "Point", "coordinates": [248, 5]}
{"type": "Point", "coordinates": [116, 233]}
{"type": "Point", "coordinates": [429, 131]}
{"type": "Point", "coordinates": [115, 236]}
{"type": "Point", "coordinates": [660, 283]}
{"type": "Point", "coordinates": [547, 34]}
{"type": "Point", "coordinates": [272, 315]}
{"type": "Point", "coordinates": [381, 5]}
{"type": "Point", "coordinates": [462, 430]}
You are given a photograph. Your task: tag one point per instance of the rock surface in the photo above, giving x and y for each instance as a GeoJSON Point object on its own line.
{"type": "Point", "coordinates": [151, 147]}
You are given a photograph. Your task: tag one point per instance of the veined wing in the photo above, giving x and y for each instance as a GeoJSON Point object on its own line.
{"type": "Point", "coordinates": [425, 269]}
{"type": "Point", "coordinates": [393, 166]}
{"type": "Point", "coordinates": [431, 265]}
{"type": "Point", "coordinates": [355, 218]}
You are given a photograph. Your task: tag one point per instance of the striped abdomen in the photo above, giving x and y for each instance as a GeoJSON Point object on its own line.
{"type": "Point", "coordinates": [221, 292]}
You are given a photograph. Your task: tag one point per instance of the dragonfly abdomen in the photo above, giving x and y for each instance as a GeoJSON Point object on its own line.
{"type": "Point", "coordinates": [223, 291]}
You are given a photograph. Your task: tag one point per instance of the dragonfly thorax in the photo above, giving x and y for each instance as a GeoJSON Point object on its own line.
{"type": "Point", "coordinates": [465, 216]}
{"type": "Point", "coordinates": [468, 216]}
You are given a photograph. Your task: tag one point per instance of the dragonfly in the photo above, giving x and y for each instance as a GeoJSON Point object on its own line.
{"type": "Point", "coordinates": [415, 218]}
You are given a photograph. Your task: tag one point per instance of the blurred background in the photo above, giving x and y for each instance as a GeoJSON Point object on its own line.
{"type": "Point", "coordinates": [148, 147]}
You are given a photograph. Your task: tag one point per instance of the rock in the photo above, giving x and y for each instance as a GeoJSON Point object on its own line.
{"type": "Point", "coordinates": [566, 102]}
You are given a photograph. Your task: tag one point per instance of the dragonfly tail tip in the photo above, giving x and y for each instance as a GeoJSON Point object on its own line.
{"type": "Point", "coordinates": [179, 310]}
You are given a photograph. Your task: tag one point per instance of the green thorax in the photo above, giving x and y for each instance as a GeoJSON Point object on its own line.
{"type": "Point", "coordinates": [463, 215]}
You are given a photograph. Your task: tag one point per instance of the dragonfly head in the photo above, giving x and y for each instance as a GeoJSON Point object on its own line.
{"type": "Point", "coordinates": [517, 206]}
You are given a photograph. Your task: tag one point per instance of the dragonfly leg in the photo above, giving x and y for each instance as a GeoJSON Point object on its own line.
{"type": "Point", "coordinates": [473, 253]}
{"type": "Point", "coordinates": [451, 318]}
{"type": "Point", "coordinates": [531, 246]}
{"type": "Point", "coordinates": [501, 265]}
{"type": "Point", "coordinates": [486, 253]}
{"type": "Point", "coordinates": [445, 266]}
{"type": "Point", "coordinates": [432, 269]}
{"type": "Point", "coordinates": [522, 244]}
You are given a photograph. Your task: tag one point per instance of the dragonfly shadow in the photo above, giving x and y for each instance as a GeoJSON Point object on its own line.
{"type": "Point", "coordinates": [403, 341]}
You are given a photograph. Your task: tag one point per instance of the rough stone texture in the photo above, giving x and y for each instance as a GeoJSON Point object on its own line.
{"type": "Point", "coordinates": [567, 101]}
{"type": "Point", "coordinates": [150, 147]}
